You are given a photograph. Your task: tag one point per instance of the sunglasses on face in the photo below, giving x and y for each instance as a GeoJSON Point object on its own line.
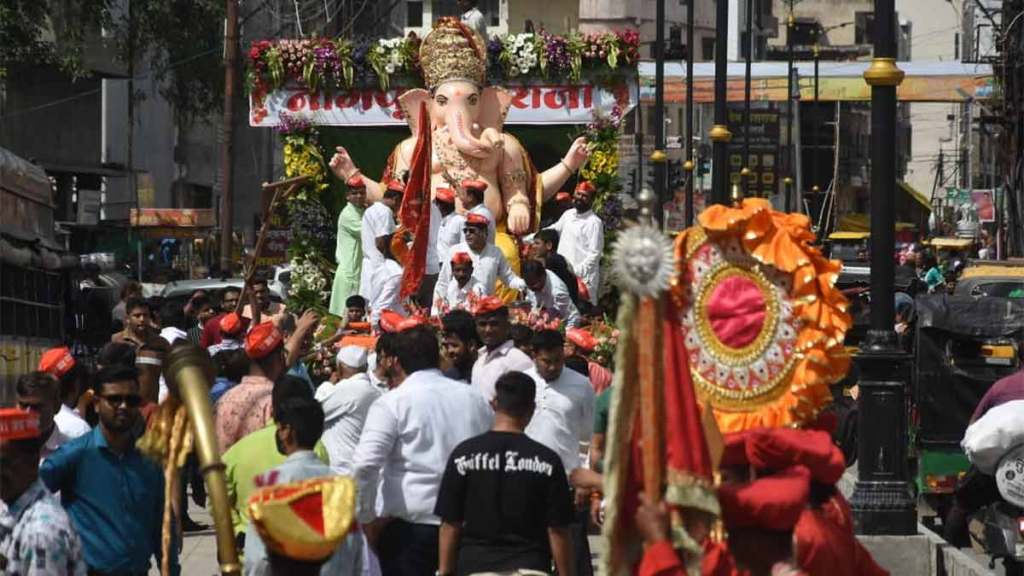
{"type": "Point", "coordinates": [129, 400]}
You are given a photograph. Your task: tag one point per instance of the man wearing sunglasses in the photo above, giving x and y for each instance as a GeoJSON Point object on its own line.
{"type": "Point", "coordinates": [489, 264]}
{"type": "Point", "coordinates": [113, 494]}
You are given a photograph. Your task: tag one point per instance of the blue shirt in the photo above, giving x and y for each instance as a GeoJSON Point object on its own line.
{"type": "Point", "coordinates": [115, 502]}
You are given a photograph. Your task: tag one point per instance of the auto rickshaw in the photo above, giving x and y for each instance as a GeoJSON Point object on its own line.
{"type": "Point", "coordinates": [1003, 278]}
{"type": "Point", "coordinates": [962, 346]}
{"type": "Point", "coordinates": [851, 248]}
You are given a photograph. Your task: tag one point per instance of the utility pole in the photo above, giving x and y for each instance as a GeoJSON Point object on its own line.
{"type": "Point", "coordinates": [814, 123]}
{"type": "Point", "coordinates": [881, 500]}
{"type": "Point", "coordinates": [745, 169]}
{"type": "Point", "coordinates": [228, 145]}
{"type": "Point", "coordinates": [719, 133]}
{"type": "Point", "coordinates": [688, 166]}
{"type": "Point", "coordinates": [658, 157]}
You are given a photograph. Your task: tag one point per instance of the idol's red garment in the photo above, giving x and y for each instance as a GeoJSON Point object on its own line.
{"type": "Point", "coordinates": [825, 543]}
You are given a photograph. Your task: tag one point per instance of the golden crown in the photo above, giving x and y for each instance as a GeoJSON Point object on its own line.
{"type": "Point", "coordinates": [452, 52]}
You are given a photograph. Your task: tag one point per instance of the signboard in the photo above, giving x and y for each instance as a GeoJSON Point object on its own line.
{"type": "Point", "coordinates": [279, 236]}
{"type": "Point", "coordinates": [532, 104]}
{"type": "Point", "coordinates": [88, 204]}
{"type": "Point", "coordinates": [984, 205]}
{"type": "Point", "coordinates": [764, 135]}
{"type": "Point", "coordinates": [173, 217]}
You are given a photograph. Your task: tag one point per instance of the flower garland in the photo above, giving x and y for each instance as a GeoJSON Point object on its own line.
{"type": "Point", "coordinates": [312, 230]}
{"type": "Point", "coordinates": [341, 64]}
{"type": "Point", "coordinates": [602, 169]}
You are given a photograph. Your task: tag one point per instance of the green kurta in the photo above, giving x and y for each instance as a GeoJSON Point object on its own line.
{"type": "Point", "coordinates": [349, 256]}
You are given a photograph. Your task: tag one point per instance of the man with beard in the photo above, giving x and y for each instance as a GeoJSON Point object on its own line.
{"type": "Point", "coordinates": [114, 494]}
{"type": "Point", "coordinates": [138, 327]}
{"type": "Point", "coordinates": [212, 328]}
{"type": "Point", "coordinates": [499, 354]}
{"type": "Point", "coordinates": [459, 344]}
{"type": "Point", "coordinates": [582, 238]}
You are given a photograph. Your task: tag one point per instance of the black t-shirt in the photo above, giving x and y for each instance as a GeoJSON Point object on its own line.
{"type": "Point", "coordinates": [507, 490]}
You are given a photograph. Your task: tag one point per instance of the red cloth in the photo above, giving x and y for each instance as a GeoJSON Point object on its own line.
{"type": "Point", "coordinates": [475, 185]}
{"type": "Point", "coordinates": [461, 258]}
{"type": "Point", "coordinates": [231, 324]}
{"type": "Point", "coordinates": [825, 543]}
{"type": "Point", "coordinates": [783, 447]}
{"type": "Point", "coordinates": [445, 195]}
{"type": "Point", "coordinates": [660, 559]}
{"type": "Point", "coordinates": [477, 219]}
{"type": "Point", "coordinates": [488, 305]}
{"type": "Point", "coordinates": [585, 186]}
{"type": "Point", "coordinates": [770, 503]}
{"type": "Point", "coordinates": [736, 311]}
{"type": "Point", "coordinates": [414, 213]}
{"type": "Point", "coordinates": [563, 197]}
{"type": "Point", "coordinates": [57, 362]}
{"type": "Point", "coordinates": [18, 424]}
{"type": "Point", "coordinates": [355, 181]}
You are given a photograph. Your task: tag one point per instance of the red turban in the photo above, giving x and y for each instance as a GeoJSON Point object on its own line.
{"type": "Point", "coordinates": [770, 503]}
{"type": "Point", "coordinates": [563, 197]}
{"type": "Point", "coordinates": [396, 186]}
{"type": "Point", "coordinates": [262, 340]}
{"type": "Point", "coordinates": [475, 184]}
{"type": "Point", "coordinates": [780, 448]}
{"type": "Point", "coordinates": [444, 195]}
{"type": "Point", "coordinates": [18, 424]}
{"type": "Point", "coordinates": [488, 305]}
{"type": "Point", "coordinates": [462, 258]}
{"type": "Point", "coordinates": [477, 219]}
{"type": "Point", "coordinates": [230, 324]}
{"type": "Point", "coordinates": [355, 181]}
{"type": "Point", "coordinates": [586, 186]}
{"type": "Point", "coordinates": [57, 362]}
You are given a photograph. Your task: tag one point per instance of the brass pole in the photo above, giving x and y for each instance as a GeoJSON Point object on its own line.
{"type": "Point", "coordinates": [189, 374]}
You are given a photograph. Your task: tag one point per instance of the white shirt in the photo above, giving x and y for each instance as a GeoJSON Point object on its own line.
{"type": "Point", "coordinates": [491, 364]}
{"type": "Point", "coordinates": [449, 234]}
{"type": "Point", "coordinates": [564, 417]}
{"type": "Point", "coordinates": [433, 263]}
{"type": "Point", "coordinates": [474, 19]}
{"type": "Point", "coordinates": [555, 297]}
{"type": "Point", "coordinates": [378, 221]}
{"type": "Point", "coordinates": [456, 296]}
{"type": "Point", "coordinates": [408, 436]}
{"type": "Point", "coordinates": [385, 290]}
{"type": "Point", "coordinates": [345, 407]}
{"type": "Point", "coordinates": [488, 266]}
{"type": "Point", "coordinates": [70, 424]}
{"type": "Point", "coordinates": [482, 210]}
{"type": "Point", "coordinates": [581, 241]}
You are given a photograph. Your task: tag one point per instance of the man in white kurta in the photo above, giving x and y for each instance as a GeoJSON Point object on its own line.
{"type": "Point", "coordinates": [386, 287]}
{"type": "Point", "coordinates": [345, 405]}
{"type": "Point", "coordinates": [378, 222]}
{"type": "Point", "coordinates": [449, 231]}
{"type": "Point", "coordinates": [462, 289]}
{"type": "Point", "coordinates": [564, 417]}
{"type": "Point", "coordinates": [407, 438]}
{"type": "Point", "coordinates": [582, 238]}
{"type": "Point", "coordinates": [473, 202]}
{"type": "Point", "coordinates": [489, 264]}
{"type": "Point", "coordinates": [499, 354]}
{"type": "Point", "coordinates": [548, 293]}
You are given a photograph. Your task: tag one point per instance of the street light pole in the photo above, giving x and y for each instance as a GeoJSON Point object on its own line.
{"type": "Point", "coordinates": [745, 170]}
{"type": "Point", "coordinates": [719, 133]}
{"type": "Point", "coordinates": [814, 126]}
{"type": "Point", "coordinates": [227, 147]}
{"type": "Point", "coordinates": [788, 181]}
{"type": "Point", "coordinates": [658, 157]}
{"type": "Point", "coordinates": [688, 166]}
{"type": "Point", "coordinates": [881, 500]}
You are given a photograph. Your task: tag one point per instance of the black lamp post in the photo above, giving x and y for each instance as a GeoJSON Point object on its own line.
{"type": "Point", "coordinates": [788, 180]}
{"type": "Point", "coordinates": [658, 157]}
{"type": "Point", "coordinates": [881, 500]}
{"type": "Point", "coordinates": [719, 133]}
{"type": "Point", "coordinates": [688, 166]}
{"type": "Point", "coordinates": [814, 126]}
{"type": "Point", "coordinates": [745, 170]}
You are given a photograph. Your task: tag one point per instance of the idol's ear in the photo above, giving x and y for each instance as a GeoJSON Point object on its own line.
{"type": "Point", "coordinates": [494, 103]}
{"type": "Point", "coordinates": [410, 101]}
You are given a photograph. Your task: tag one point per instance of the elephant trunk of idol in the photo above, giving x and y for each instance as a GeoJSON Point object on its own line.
{"type": "Point", "coordinates": [189, 375]}
{"type": "Point", "coordinates": [462, 135]}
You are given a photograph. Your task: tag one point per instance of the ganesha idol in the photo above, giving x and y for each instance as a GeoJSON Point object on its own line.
{"type": "Point", "coordinates": [466, 118]}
